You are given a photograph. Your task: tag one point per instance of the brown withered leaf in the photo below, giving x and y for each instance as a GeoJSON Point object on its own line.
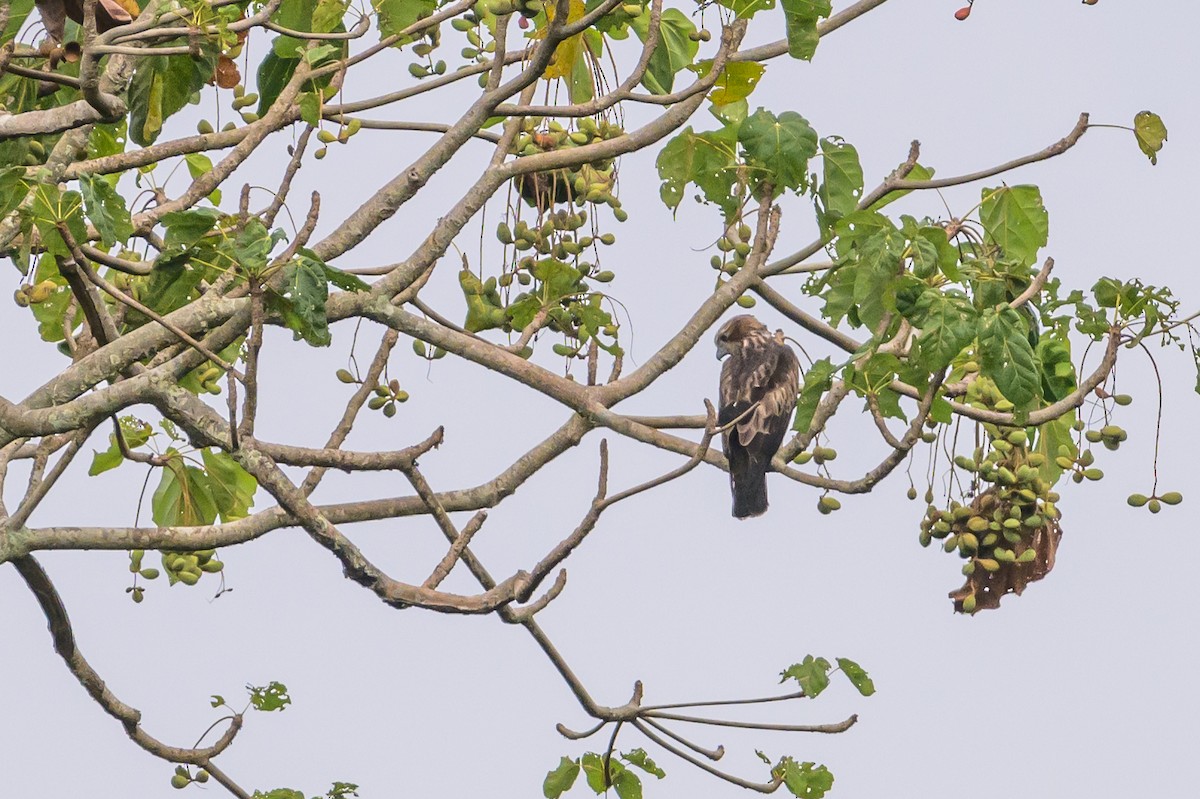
{"type": "Point", "coordinates": [227, 74]}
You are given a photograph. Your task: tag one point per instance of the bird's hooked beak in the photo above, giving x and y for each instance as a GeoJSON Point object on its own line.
{"type": "Point", "coordinates": [722, 349]}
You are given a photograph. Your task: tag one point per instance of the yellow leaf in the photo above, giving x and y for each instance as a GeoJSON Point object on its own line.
{"type": "Point", "coordinates": [567, 52]}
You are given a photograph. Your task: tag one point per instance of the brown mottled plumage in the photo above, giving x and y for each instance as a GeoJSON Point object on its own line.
{"type": "Point", "coordinates": [759, 379]}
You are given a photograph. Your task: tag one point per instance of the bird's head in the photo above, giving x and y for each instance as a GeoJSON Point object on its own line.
{"type": "Point", "coordinates": [734, 332]}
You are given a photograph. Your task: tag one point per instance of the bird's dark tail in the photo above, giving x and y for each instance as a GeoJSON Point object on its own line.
{"type": "Point", "coordinates": [749, 488]}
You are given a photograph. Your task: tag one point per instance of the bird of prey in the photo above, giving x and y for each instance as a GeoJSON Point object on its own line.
{"type": "Point", "coordinates": [759, 382]}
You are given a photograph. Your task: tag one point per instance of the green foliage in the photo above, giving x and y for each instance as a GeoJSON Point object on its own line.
{"type": "Point", "coordinates": [676, 49]}
{"type": "Point", "coordinates": [301, 301]}
{"type": "Point", "coordinates": [1016, 221]}
{"type": "Point", "coordinates": [806, 780]}
{"type": "Point", "coordinates": [188, 495]}
{"type": "Point", "coordinates": [777, 148]}
{"type": "Point", "coordinates": [270, 697]}
{"type": "Point", "coordinates": [163, 85]}
{"type": "Point", "coordinates": [857, 675]}
{"type": "Point", "coordinates": [560, 780]}
{"type": "Point", "coordinates": [1151, 133]}
{"type": "Point", "coordinates": [1007, 357]}
{"type": "Point", "coordinates": [106, 209]}
{"type": "Point", "coordinates": [802, 17]}
{"type": "Point", "coordinates": [811, 673]}
{"type": "Point", "coordinates": [817, 381]}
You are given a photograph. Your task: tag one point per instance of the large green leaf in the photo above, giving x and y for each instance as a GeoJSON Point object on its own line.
{"type": "Point", "coordinates": [396, 15]}
{"type": "Point", "coordinates": [778, 147]}
{"type": "Point", "coordinates": [161, 86]}
{"type": "Point", "coordinates": [1007, 357]}
{"type": "Point", "coordinates": [301, 301]}
{"type": "Point", "coordinates": [231, 486]}
{"type": "Point", "coordinates": [273, 75]}
{"type": "Point", "coordinates": [745, 9]}
{"type": "Point", "coordinates": [1016, 221]}
{"type": "Point", "coordinates": [560, 780]}
{"type": "Point", "coordinates": [842, 186]}
{"type": "Point", "coordinates": [812, 674]}
{"type": "Point", "coordinates": [817, 381]}
{"type": "Point", "coordinates": [947, 321]}
{"type": "Point", "coordinates": [802, 17]}
{"type": "Point", "coordinates": [807, 780]}
{"type": "Point", "coordinates": [705, 159]}
{"type": "Point", "coordinates": [106, 208]}
{"type": "Point", "coordinates": [736, 81]}
{"type": "Point", "coordinates": [18, 11]}
{"type": "Point", "coordinates": [675, 50]}
{"type": "Point", "coordinates": [183, 497]}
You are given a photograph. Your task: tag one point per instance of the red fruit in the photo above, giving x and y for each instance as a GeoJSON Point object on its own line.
{"type": "Point", "coordinates": [523, 23]}
{"type": "Point", "coordinates": [962, 13]}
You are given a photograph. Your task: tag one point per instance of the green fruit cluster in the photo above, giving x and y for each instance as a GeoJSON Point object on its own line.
{"type": "Point", "coordinates": [189, 567]}
{"type": "Point", "coordinates": [386, 397]}
{"type": "Point", "coordinates": [27, 295]}
{"type": "Point", "coordinates": [996, 532]}
{"type": "Point", "coordinates": [588, 183]}
{"type": "Point", "coordinates": [734, 249]}
{"type": "Point", "coordinates": [182, 778]}
{"type": "Point", "coordinates": [1154, 502]}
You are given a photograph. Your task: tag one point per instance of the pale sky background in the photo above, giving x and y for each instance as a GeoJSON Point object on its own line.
{"type": "Point", "coordinates": [1080, 688]}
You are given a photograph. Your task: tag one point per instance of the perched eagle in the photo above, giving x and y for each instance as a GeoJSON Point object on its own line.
{"type": "Point", "coordinates": [759, 382]}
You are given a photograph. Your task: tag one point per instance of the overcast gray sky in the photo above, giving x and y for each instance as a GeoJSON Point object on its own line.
{"type": "Point", "coordinates": [1081, 687]}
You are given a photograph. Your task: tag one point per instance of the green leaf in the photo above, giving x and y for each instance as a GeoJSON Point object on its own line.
{"type": "Point", "coordinates": [707, 160]}
{"type": "Point", "coordinates": [778, 148]}
{"type": "Point", "coordinates": [336, 277]}
{"type": "Point", "coordinates": [109, 459]}
{"type": "Point", "coordinates": [183, 497]}
{"type": "Point", "coordinates": [106, 208]}
{"type": "Point", "coordinates": [593, 770]}
{"type": "Point", "coordinates": [279, 793]}
{"type": "Point", "coordinates": [51, 206]}
{"type": "Point", "coordinates": [802, 17]}
{"type": "Point", "coordinates": [273, 75]}
{"type": "Point", "coordinates": [231, 486]}
{"type": "Point", "coordinates": [745, 9]}
{"type": "Point", "coordinates": [270, 697]}
{"type": "Point", "coordinates": [736, 81]}
{"type": "Point", "coordinates": [396, 15]}
{"type": "Point", "coordinates": [162, 85]}
{"type": "Point", "coordinates": [18, 11]}
{"type": "Point", "coordinates": [817, 381]}
{"type": "Point", "coordinates": [842, 186]}
{"type": "Point", "coordinates": [806, 780]}
{"type": "Point", "coordinates": [13, 189]}
{"type": "Point", "coordinates": [301, 301]}
{"type": "Point", "coordinates": [918, 172]}
{"type": "Point", "coordinates": [947, 321]}
{"type": "Point", "coordinates": [675, 50]}
{"type": "Point", "coordinates": [1007, 357]}
{"type": "Point", "coordinates": [857, 676]}
{"type": "Point", "coordinates": [639, 758]}
{"type": "Point", "coordinates": [1150, 132]}
{"type": "Point", "coordinates": [1016, 221]}
{"type": "Point", "coordinates": [295, 15]}
{"type": "Point", "coordinates": [811, 673]}
{"type": "Point", "coordinates": [185, 228]}
{"type": "Point", "coordinates": [252, 247]}
{"type": "Point", "coordinates": [560, 780]}
{"type": "Point", "coordinates": [627, 784]}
